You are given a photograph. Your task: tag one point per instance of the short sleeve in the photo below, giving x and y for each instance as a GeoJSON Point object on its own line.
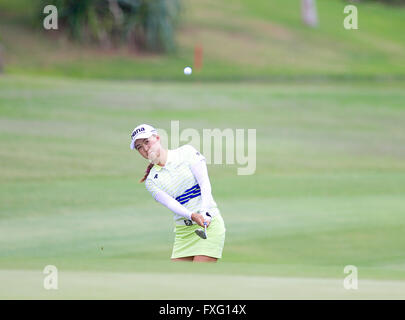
{"type": "Point", "coordinates": [192, 155]}
{"type": "Point", "coordinates": [151, 187]}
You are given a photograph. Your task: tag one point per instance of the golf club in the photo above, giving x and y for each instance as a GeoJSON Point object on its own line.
{"type": "Point", "coordinates": [202, 234]}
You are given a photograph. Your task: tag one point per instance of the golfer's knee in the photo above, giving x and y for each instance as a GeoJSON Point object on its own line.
{"type": "Point", "coordinates": [183, 259]}
{"type": "Point", "coordinates": [204, 259]}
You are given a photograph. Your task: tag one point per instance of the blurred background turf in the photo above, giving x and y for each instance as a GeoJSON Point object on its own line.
{"type": "Point", "coordinates": [254, 40]}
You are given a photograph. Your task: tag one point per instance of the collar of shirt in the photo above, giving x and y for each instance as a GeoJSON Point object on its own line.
{"type": "Point", "coordinates": [171, 157]}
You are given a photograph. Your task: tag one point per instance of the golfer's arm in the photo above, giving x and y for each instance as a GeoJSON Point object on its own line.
{"type": "Point", "coordinates": [200, 172]}
{"type": "Point", "coordinates": [172, 204]}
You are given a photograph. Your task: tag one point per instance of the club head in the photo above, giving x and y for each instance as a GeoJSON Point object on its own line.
{"type": "Point", "coordinates": [201, 234]}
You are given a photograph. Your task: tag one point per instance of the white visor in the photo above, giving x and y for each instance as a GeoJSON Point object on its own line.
{"type": "Point", "coordinates": [141, 136]}
{"type": "Point", "coordinates": [143, 131]}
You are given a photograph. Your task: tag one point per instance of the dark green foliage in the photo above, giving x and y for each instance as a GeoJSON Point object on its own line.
{"type": "Point", "coordinates": [142, 24]}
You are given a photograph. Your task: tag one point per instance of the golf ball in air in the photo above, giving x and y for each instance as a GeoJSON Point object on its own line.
{"type": "Point", "coordinates": [187, 71]}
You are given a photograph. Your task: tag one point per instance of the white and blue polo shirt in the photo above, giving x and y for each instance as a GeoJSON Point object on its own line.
{"type": "Point", "coordinates": [177, 179]}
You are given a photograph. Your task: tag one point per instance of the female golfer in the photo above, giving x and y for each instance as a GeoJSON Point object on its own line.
{"type": "Point", "coordinates": [179, 180]}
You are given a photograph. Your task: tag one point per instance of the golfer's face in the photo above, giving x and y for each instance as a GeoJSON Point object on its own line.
{"type": "Point", "coordinates": [145, 146]}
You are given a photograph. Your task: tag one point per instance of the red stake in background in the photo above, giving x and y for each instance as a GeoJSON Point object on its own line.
{"type": "Point", "coordinates": [198, 57]}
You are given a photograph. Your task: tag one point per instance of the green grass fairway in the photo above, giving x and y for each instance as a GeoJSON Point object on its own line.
{"type": "Point", "coordinates": [28, 284]}
{"type": "Point", "coordinates": [328, 190]}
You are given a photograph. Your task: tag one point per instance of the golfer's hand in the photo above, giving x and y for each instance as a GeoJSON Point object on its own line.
{"type": "Point", "coordinates": [199, 219]}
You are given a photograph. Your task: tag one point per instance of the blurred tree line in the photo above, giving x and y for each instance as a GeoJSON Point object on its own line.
{"type": "Point", "coordinates": [396, 2]}
{"type": "Point", "coordinates": [142, 24]}
{"type": "Point", "coordinates": [392, 2]}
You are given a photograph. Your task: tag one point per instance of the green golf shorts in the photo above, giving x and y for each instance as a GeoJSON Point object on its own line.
{"type": "Point", "coordinates": [187, 243]}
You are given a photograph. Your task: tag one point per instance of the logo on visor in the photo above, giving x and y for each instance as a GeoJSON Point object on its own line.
{"type": "Point", "coordinates": [137, 131]}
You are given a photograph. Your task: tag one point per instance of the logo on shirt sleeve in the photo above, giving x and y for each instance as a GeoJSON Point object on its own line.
{"type": "Point", "coordinates": [188, 222]}
{"type": "Point", "coordinates": [155, 177]}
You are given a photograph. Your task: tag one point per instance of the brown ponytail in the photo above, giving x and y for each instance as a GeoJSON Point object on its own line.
{"type": "Point", "coordinates": [150, 166]}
